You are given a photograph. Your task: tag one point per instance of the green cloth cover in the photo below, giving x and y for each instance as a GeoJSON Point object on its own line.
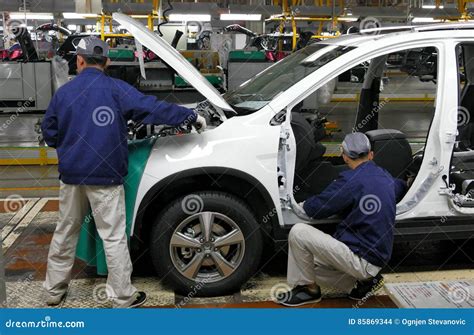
{"type": "Point", "coordinates": [90, 248]}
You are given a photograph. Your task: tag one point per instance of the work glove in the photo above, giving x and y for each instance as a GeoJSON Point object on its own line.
{"type": "Point", "coordinates": [200, 123]}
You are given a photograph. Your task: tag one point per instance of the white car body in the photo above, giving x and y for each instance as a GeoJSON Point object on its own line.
{"type": "Point", "coordinates": [254, 143]}
{"type": "Point", "coordinates": [249, 143]}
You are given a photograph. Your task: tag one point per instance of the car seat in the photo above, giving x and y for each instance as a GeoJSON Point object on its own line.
{"type": "Point", "coordinates": [312, 174]}
{"type": "Point", "coordinates": [391, 151]}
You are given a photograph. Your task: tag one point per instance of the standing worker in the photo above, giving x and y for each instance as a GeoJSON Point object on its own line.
{"type": "Point", "coordinates": [350, 260]}
{"type": "Point", "coordinates": [86, 122]}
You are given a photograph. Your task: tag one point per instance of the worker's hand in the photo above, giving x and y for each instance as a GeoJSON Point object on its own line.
{"type": "Point", "coordinates": [200, 123]}
{"type": "Point", "coordinates": [300, 212]}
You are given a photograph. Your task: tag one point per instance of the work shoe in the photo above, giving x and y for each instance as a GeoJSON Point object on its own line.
{"type": "Point", "coordinates": [298, 296]}
{"type": "Point", "coordinates": [54, 300]}
{"type": "Point", "coordinates": [140, 300]}
{"type": "Point", "coordinates": [367, 288]}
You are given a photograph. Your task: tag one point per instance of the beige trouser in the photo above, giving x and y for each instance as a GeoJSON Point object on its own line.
{"type": "Point", "coordinates": [316, 257]}
{"type": "Point", "coordinates": [108, 209]}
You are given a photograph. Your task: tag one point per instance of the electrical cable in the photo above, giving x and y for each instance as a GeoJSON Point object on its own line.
{"type": "Point", "coordinates": [165, 18]}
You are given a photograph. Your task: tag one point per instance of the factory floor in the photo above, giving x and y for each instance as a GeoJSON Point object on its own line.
{"type": "Point", "coordinates": [28, 226]}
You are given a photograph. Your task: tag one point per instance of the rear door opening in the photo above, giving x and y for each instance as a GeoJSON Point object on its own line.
{"type": "Point", "coordinates": [398, 129]}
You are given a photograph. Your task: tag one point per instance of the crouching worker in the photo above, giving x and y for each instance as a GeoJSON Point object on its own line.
{"type": "Point", "coordinates": [350, 260]}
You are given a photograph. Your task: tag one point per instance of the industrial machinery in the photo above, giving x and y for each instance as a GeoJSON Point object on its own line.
{"type": "Point", "coordinates": [26, 82]}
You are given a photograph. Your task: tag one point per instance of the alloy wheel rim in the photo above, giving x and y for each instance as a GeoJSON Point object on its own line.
{"type": "Point", "coordinates": [207, 247]}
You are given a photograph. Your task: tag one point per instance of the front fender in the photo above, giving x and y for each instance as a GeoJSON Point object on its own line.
{"type": "Point", "coordinates": [251, 148]}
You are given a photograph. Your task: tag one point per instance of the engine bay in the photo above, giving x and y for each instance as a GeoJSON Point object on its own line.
{"type": "Point", "coordinates": [139, 130]}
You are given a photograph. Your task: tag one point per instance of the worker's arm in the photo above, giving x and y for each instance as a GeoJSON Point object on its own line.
{"type": "Point", "coordinates": [400, 187]}
{"type": "Point", "coordinates": [334, 199]}
{"type": "Point", "coordinates": [49, 126]}
{"type": "Point", "coordinates": [148, 109]}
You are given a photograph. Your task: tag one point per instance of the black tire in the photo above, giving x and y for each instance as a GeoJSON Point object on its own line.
{"type": "Point", "coordinates": [170, 219]}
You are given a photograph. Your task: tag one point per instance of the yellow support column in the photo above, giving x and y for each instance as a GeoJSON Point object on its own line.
{"type": "Point", "coordinates": [110, 25]}
{"type": "Point", "coordinates": [293, 28]}
{"type": "Point", "coordinates": [102, 27]}
{"type": "Point", "coordinates": [43, 156]}
{"type": "Point", "coordinates": [150, 21]}
{"type": "Point", "coordinates": [156, 5]}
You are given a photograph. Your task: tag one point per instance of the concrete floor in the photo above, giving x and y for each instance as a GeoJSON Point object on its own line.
{"type": "Point", "coordinates": [28, 225]}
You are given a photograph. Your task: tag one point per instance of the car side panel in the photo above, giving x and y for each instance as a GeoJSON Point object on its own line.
{"type": "Point", "coordinates": [245, 143]}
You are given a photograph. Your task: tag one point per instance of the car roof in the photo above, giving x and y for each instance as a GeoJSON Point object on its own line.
{"type": "Point", "coordinates": [443, 30]}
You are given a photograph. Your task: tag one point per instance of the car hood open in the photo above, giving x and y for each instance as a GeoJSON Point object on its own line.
{"type": "Point", "coordinates": [173, 58]}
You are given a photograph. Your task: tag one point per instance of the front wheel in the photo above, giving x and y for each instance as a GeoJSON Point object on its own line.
{"type": "Point", "coordinates": [208, 243]}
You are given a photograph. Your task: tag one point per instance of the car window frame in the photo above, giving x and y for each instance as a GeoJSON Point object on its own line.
{"type": "Point", "coordinates": [441, 47]}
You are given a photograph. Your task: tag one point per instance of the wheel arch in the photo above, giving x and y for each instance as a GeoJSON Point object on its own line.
{"type": "Point", "coordinates": [238, 183]}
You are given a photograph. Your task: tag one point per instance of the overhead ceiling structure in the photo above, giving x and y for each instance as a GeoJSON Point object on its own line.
{"type": "Point", "coordinates": [87, 11]}
{"type": "Point", "coordinates": [38, 6]}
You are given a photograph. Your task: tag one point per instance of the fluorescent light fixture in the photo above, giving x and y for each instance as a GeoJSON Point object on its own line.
{"type": "Point", "coordinates": [79, 15]}
{"type": "Point", "coordinates": [432, 7]}
{"type": "Point", "coordinates": [189, 17]}
{"type": "Point", "coordinates": [31, 16]}
{"type": "Point", "coordinates": [424, 20]}
{"type": "Point", "coordinates": [347, 19]}
{"type": "Point", "coordinates": [241, 17]}
{"type": "Point", "coordinates": [275, 16]}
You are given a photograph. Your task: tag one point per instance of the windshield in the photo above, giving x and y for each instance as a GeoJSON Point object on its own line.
{"type": "Point", "coordinates": [259, 91]}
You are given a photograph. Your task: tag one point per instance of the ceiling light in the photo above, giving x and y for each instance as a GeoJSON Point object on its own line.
{"type": "Point", "coordinates": [241, 17]}
{"type": "Point", "coordinates": [79, 15]}
{"type": "Point", "coordinates": [30, 16]}
{"type": "Point", "coordinates": [432, 7]}
{"type": "Point", "coordinates": [347, 19]}
{"type": "Point", "coordinates": [189, 17]}
{"type": "Point", "coordinates": [424, 20]}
